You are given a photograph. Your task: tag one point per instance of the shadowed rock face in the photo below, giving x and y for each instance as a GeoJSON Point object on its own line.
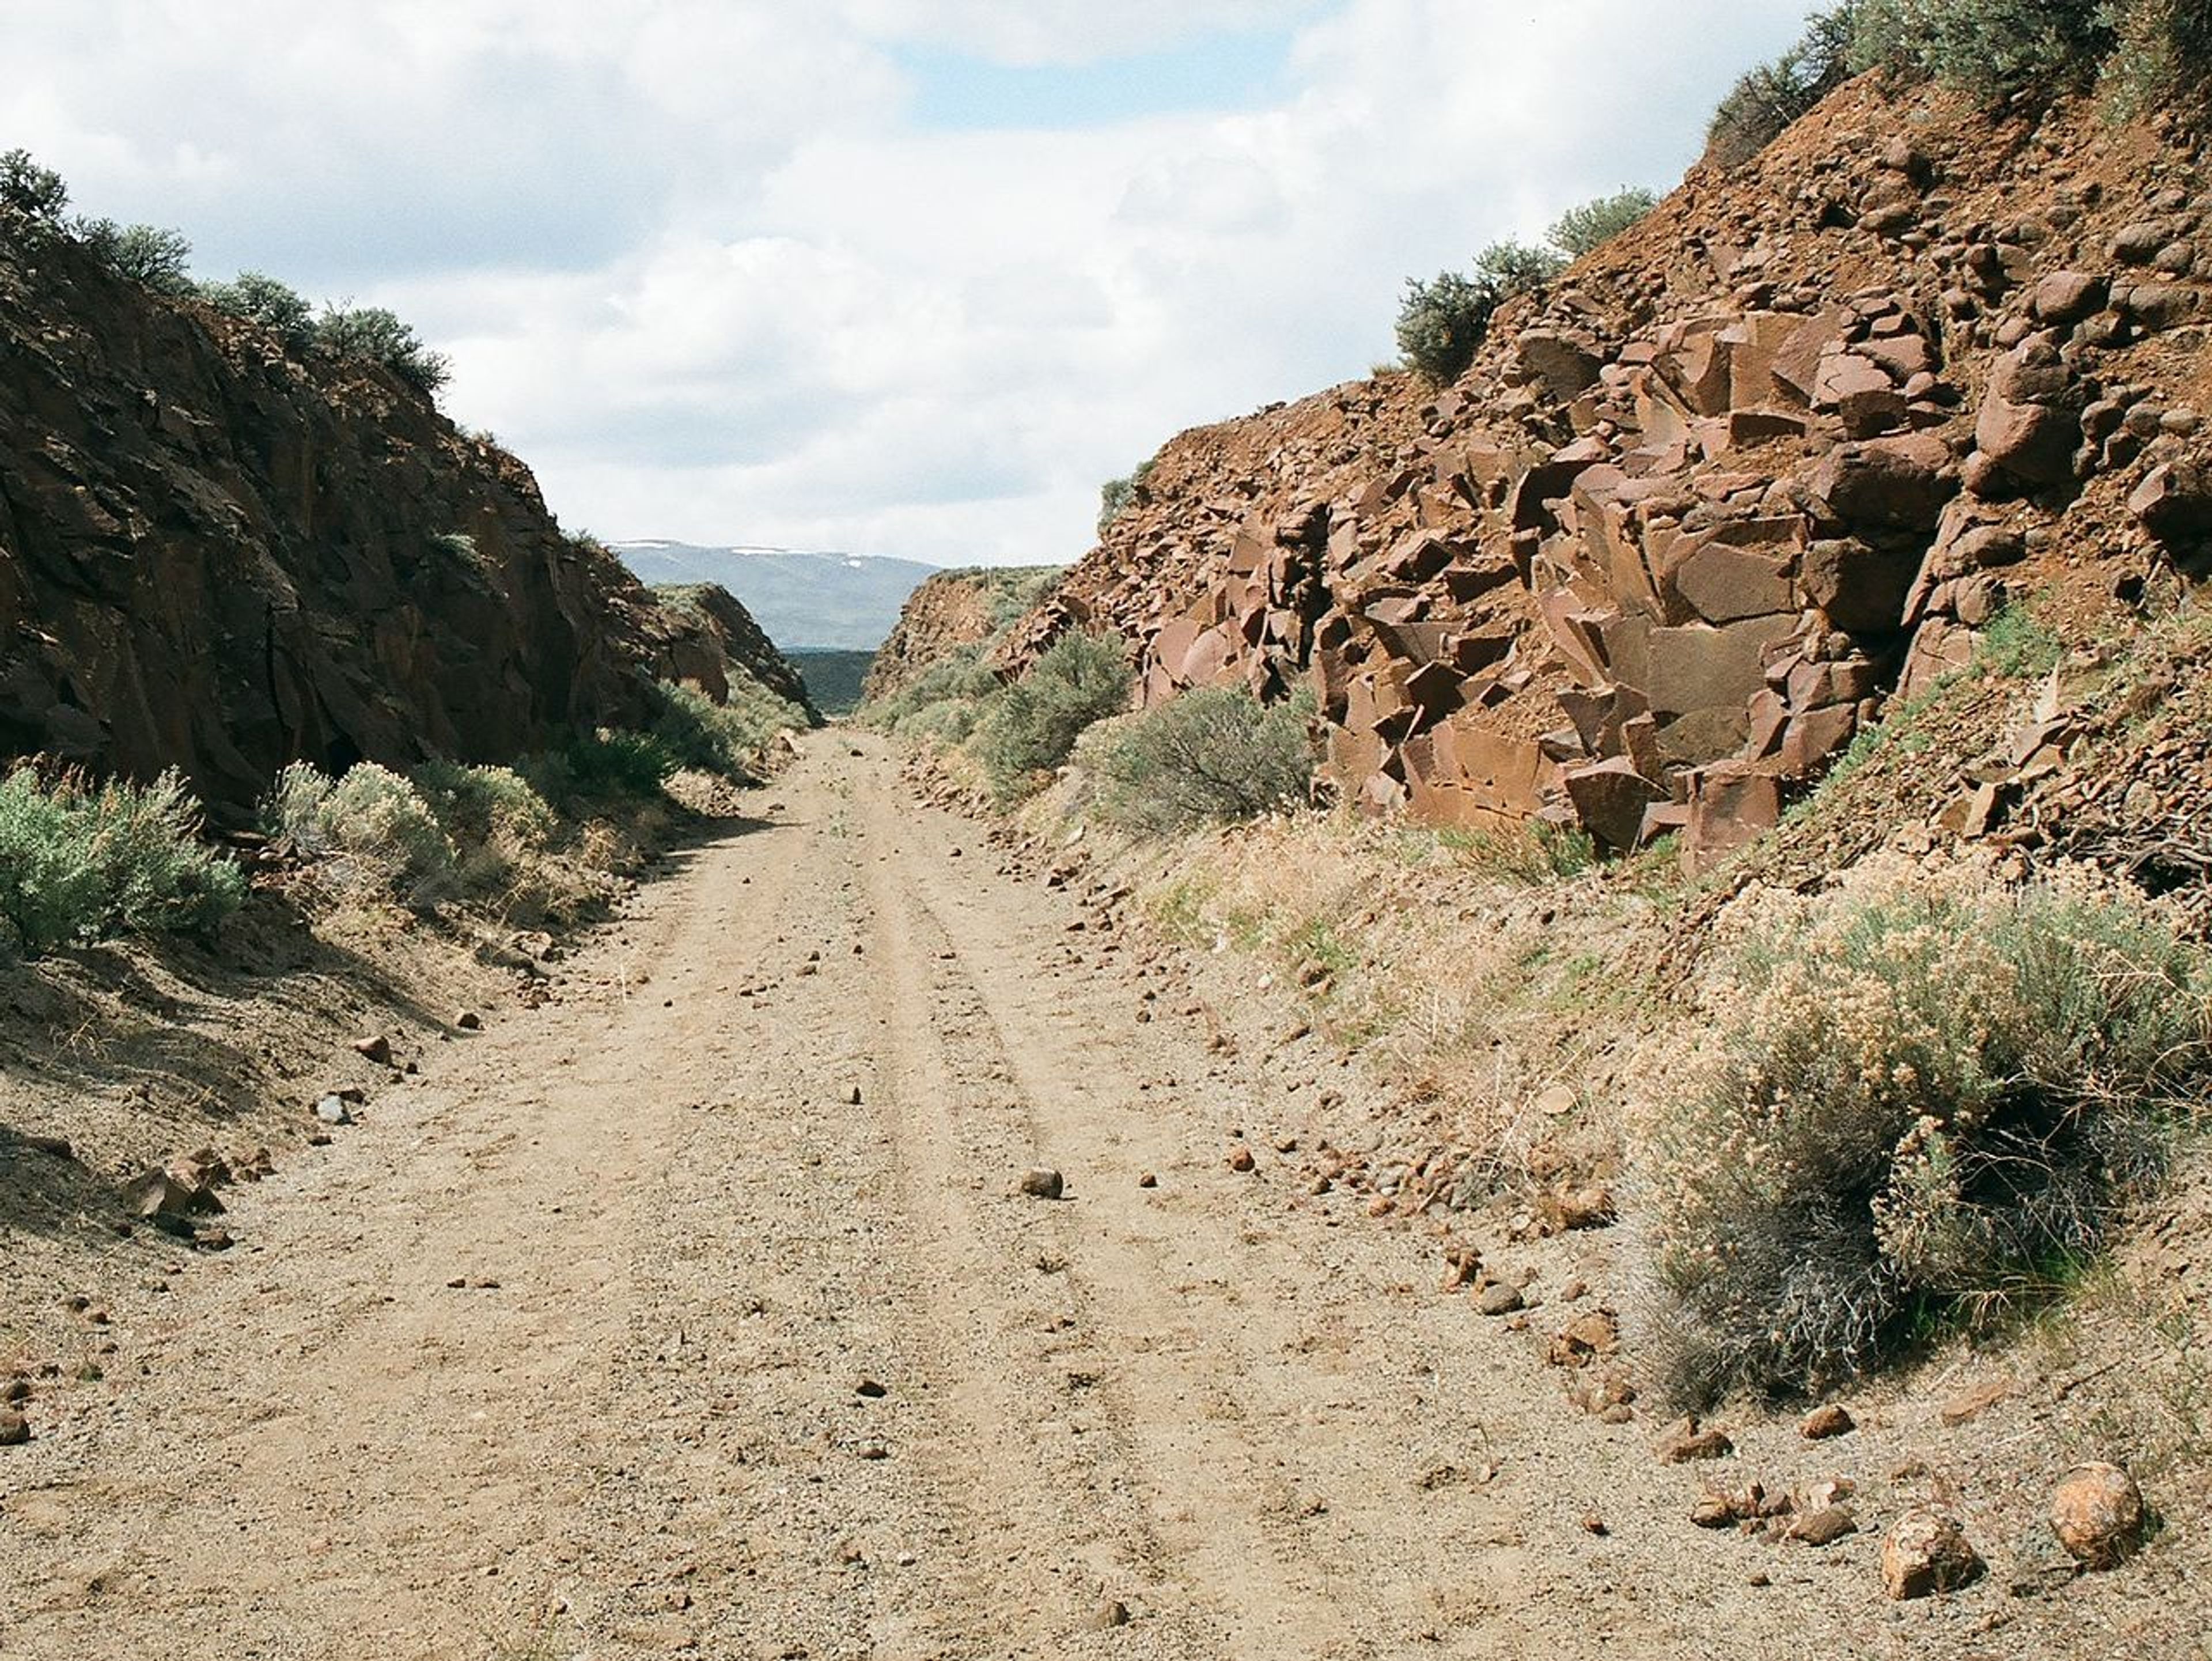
{"type": "Point", "coordinates": [1693, 516]}
{"type": "Point", "coordinates": [218, 556]}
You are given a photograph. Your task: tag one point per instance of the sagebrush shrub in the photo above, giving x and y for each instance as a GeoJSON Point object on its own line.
{"type": "Point", "coordinates": [1922, 1097]}
{"type": "Point", "coordinates": [1594, 224]}
{"type": "Point", "coordinates": [1772, 96]}
{"type": "Point", "coordinates": [484, 804]}
{"type": "Point", "coordinates": [728, 739]}
{"type": "Point", "coordinates": [150, 255]}
{"type": "Point", "coordinates": [81, 862]}
{"type": "Point", "coordinates": [1442, 324]}
{"type": "Point", "coordinates": [371, 823]}
{"type": "Point", "coordinates": [1032, 727]}
{"type": "Point", "coordinates": [373, 333]}
{"type": "Point", "coordinates": [37, 193]}
{"type": "Point", "coordinates": [259, 299]}
{"type": "Point", "coordinates": [1214, 755]}
{"type": "Point", "coordinates": [1511, 268]}
{"type": "Point", "coordinates": [603, 765]}
{"type": "Point", "coordinates": [1990, 49]}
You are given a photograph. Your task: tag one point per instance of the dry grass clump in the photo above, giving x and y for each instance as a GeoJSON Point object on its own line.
{"type": "Point", "coordinates": [1922, 1097]}
{"type": "Point", "coordinates": [1464, 969]}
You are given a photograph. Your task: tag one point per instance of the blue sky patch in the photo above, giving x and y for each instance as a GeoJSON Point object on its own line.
{"type": "Point", "coordinates": [1221, 72]}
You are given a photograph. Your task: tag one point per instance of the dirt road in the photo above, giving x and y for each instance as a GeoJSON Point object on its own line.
{"type": "Point", "coordinates": [696, 1313]}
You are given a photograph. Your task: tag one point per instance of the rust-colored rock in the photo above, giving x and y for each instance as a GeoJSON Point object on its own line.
{"type": "Point", "coordinates": [1927, 1551]}
{"type": "Point", "coordinates": [2099, 1515]}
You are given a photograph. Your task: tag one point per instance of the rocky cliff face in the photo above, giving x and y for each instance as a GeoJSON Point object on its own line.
{"type": "Point", "coordinates": [948, 611]}
{"type": "Point", "coordinates": [218, 556]}
{"type": "Point", "coordinates": [1770, 459]}
{"type": "Point", "coordinates": [704, 633]}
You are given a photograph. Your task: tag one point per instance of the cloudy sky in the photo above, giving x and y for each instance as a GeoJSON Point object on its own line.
{"type": "Point", "coordinates": [890, 277]}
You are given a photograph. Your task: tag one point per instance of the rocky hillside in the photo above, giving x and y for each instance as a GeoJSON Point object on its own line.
{"type": "Point", "coordinates": [222, 556]}
{"type": "Point", "coordinates": [949, 612]}
{"type": "Point", "coordinates": [1771, 461]}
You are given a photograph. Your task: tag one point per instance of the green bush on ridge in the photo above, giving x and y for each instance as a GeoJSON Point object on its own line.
{"type": "Point", "coordinates": [1773, 96]}
{"type": "Point", "coordinates": [376, 336]}
{"type": "Point", "coordinates": [1581, 230]}
{"type": "Point", "coordinates": [81, 862]}
{"type": "Point", "coordinates": [262, 299]}
{"type": "Point", "coordinates": [149, 255]}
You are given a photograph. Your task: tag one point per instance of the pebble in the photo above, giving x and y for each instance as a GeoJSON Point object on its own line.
{"type": "Point", "coordinates": [1042, 1182]}
{"type": "Point", "coordinates": [1499, 1298]}
{"type": "Point", "coordinates": [1824, 1422]}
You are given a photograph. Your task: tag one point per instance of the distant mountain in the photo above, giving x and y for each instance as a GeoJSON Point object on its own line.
{"type": "Point", "coordinates": [848, 602]}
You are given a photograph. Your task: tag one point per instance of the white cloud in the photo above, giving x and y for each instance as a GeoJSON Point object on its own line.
{"type": "Point", "coordinates": [700, 262]}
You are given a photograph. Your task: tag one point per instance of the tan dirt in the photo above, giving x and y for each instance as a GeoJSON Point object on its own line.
{"type": "Point", "coordinates": [634, 1428]}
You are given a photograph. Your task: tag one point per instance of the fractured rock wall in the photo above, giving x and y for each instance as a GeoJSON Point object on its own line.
{"type": "Point", "coordinates": [1687, 524]}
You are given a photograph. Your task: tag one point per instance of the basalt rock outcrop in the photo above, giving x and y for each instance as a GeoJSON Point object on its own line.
{"type": "Point", "coordinates": [220, 555]}
{"type": "Point", "coordinates": [1771, 458]}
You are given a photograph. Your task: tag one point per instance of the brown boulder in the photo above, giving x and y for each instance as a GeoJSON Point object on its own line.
{"type": "Point", "coordinates": [1610, 797]}
{"type": "Point", "coordinates": [2098, 1514]}
{"type": "Point", "coordinates": [2068, 297]}
{"type": "Point", "coordinates": [1928, 1552]}
{"type": "Point", "coordinates": [2021, 444]}
{"type": "Point", "coordinates": [15, 1428]}
{"type": "Point", "coordinates": [1899, 484]}
{"type": "Point", "coordinates": [1566, 368]}
{"type": "Point", "coordinates": [2174, 504]}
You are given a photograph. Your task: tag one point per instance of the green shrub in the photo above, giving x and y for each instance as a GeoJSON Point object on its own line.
{"type": "Point", "coordinates": [1117, 495]}
{"type": "Point", "coordinates": [1594, 224]}
{"type": "Point", "coordinates": [1511, 267]}
{"type": "Point", "coordinates": [374, 334]}
{"type": "Point", "coordinates": [2163, 56]}
{"type": "Point", "coordinates": [1921, 1102]}
{"type": "Point", "coordinates": [262, 299]}
{"type": "Point", "coordinates": [728, 739]}
{"type": "Point", "coordinates": [82, 863]}
{"type": "Point", "coordinates": [1771, 97]}
{"type": "Point", "coordinates": [1990, 49]}
{"type": "Point", "coordinates": [1032, 727]}
{"type": "Point", "coordinates": [1442, 324]}
{"type": "Point", "coordinates": [149, 255]}
{"type": "Point", "coordinates": [605, 765]}
{"type": "Point", "coordinates": [36, 194]}
{"type": "Point", "coordinates": [1213, 756]}
{"type": "Point", "coordinates": [372, 824]}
